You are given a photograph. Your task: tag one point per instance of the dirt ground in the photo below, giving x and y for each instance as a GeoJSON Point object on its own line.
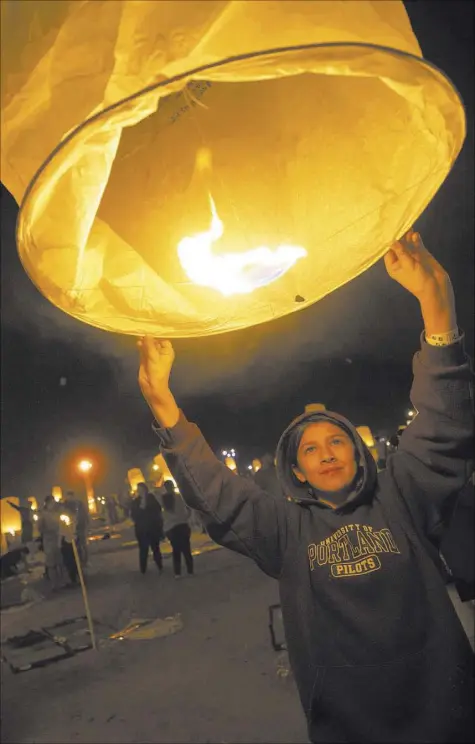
{"type": "Point", "coordinates": [214, 681]}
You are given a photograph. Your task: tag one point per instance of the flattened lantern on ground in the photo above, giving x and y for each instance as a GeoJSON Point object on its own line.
{"type": "Point", "coordinates": [191, 168]}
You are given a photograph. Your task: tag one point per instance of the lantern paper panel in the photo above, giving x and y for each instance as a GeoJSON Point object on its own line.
{"type": "Point", "coordinates": [192, 168]}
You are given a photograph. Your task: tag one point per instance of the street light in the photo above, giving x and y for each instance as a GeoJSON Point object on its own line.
{"type": "Point", "coordinates": [410, 414]}
{"type": "Point", "coordinates": [85, 466]}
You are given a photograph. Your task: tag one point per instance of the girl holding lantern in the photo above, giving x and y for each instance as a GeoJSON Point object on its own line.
{"type": "Point", "coordinates": [375, 645]}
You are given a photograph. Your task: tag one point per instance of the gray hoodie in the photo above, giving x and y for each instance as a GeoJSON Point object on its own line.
{"type": "Point", "coordinates": [377, 650]}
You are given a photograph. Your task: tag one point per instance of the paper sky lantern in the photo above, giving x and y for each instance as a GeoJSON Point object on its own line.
{"type": "Point", "coordinates": [57, 493]}
{"type": "Point", "coordinates": [163, 469]}
{"type": "Point", "coordinates": [135, 476]}
{"type": "Point", "coordinates": [230, 463]}
{"type": "Point", "coordinates": [190, 168]}
{"type": "Point", "coordinates": [10, 517]}
{"type": "Point", "coordinates": [367, 437]}
{"type": "Point", "coordinates": [256, 465]}
{"type": "Point", "coordinates": [315, 407]}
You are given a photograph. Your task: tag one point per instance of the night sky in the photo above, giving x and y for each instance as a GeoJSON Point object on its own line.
{"type": "Point", "coordinates": [352, 350]}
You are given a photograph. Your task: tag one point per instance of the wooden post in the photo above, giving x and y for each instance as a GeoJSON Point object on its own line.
{"type": "Point", "coordinates": [84, 595]}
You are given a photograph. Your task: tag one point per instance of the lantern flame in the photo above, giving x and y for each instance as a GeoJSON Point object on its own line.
{"type": "Point", "coordinates": [233, 273]}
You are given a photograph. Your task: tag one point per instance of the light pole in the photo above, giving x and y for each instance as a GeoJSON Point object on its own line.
{"type": "Point", "coordinates": [85, 467]}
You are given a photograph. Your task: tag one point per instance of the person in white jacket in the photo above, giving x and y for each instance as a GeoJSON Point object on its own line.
{"type": "Point", "coordinates": [176, 528]}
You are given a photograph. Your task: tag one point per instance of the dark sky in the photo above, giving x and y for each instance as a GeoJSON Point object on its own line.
{"type": "Point", "coordinates": [352, 350]}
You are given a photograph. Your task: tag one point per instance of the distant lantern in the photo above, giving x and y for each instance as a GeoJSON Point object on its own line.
{"type": "Point", "coordinates": [230, 462]}
{"type": "Point", "coordinates": [33, 503]}
{"type": "Point", "coordinates": [368, 438]}
{"type": "Point", "coordinates": [256, 465]}
{"type": "Point", "coordinates": [10, 517]}
{"type": "Point", "coordinates": [135, 476]}
{"type": "Point", "coordinates": [57, 493]}
{"type": "Point", "coordinates": [314, 407]}
{"type": "Point", "coordinates": [161, 469]}
{"type": "Point", "coordinates": [204, 171]}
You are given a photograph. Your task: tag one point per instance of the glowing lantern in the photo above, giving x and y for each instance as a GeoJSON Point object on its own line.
{"type": "Point", "coordinates": [314, 407]}
{"type": "Point", "coordinates": [367, 437]}
{"type": "Point", "coordinates": [10, 517]}
{"type": "Point", "coordinates": [57, 493]}
{"type": "Point", "coordinates": [135, 476]}
{"type": "Point", "coordinates": [207, 166]}
{"type": "Point", "coordinates": [162, 468]}
{"type": "Point", "coordinates": [230, 462]}
{"type": "Point", "coordinates": [256, 465]}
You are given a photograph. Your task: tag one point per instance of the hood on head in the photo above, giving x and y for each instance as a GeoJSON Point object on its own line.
{"type": "Point", "coordinates": [365, 480]}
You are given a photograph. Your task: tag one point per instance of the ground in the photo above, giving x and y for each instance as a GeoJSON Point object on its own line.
{"type": "Point", "coordinates": [214, 681]}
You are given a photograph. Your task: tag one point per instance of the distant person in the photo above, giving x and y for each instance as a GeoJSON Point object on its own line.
{"type": "Point", "coordinates": [124, 499]}
{"type": "Point", "coordinates": [177, 529]}
{"type": "Point", "coordinates": [26, 516]}
{"type": "Point", "coordinates": [146, 514]}
{"type": "Point", "coordinates": [68, 534]}
{"type": "Point", "coordinates": [266, 477]}
{"type": "Point", "coordinates": [374, 642]}
{"type": "Point", "coordinates": [79, 513]}
{"type": "Point", "coordinates": [111, 510]}
{"type": "Point", "coordinates": [49, 529]}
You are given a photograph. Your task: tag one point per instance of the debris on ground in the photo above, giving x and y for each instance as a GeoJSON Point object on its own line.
{"type": "Point", "coordinates": [148, 629]}
{"type": "Point", "coordinates": [49, 644]}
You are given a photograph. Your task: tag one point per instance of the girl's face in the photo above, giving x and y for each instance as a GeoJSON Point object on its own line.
{"type": "Point", "coordinates": [326, 457]}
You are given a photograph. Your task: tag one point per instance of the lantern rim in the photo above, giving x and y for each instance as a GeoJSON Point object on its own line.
{"type": "Point", "coordinates": [190, 75]}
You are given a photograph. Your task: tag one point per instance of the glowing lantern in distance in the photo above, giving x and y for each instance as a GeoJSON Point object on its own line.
{"type": "Point", "coordinates": [57, 493]}
{"type": "Point", "coordinates": [367, 437]}
{"type": "Point", "coordinates": [10, 517]}
{"type": "Point", "coordinates": [301, 137]}
{"type": "Point", "coordinates": [256, 465]}
{"type": "Point", "coordinates": [230, 462]}
{"type": "Point", "coordinates": [162, 468]}
{"type": "Point", "coordinates": [314, 407]}
{"type": "Point", "coordinates": [135, 476]}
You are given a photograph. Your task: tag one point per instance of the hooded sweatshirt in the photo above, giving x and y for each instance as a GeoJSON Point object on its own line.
{"type": "Point", "coordinates": [179, 515]}
{"type": "Point", "coordinates": [375, 645]}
